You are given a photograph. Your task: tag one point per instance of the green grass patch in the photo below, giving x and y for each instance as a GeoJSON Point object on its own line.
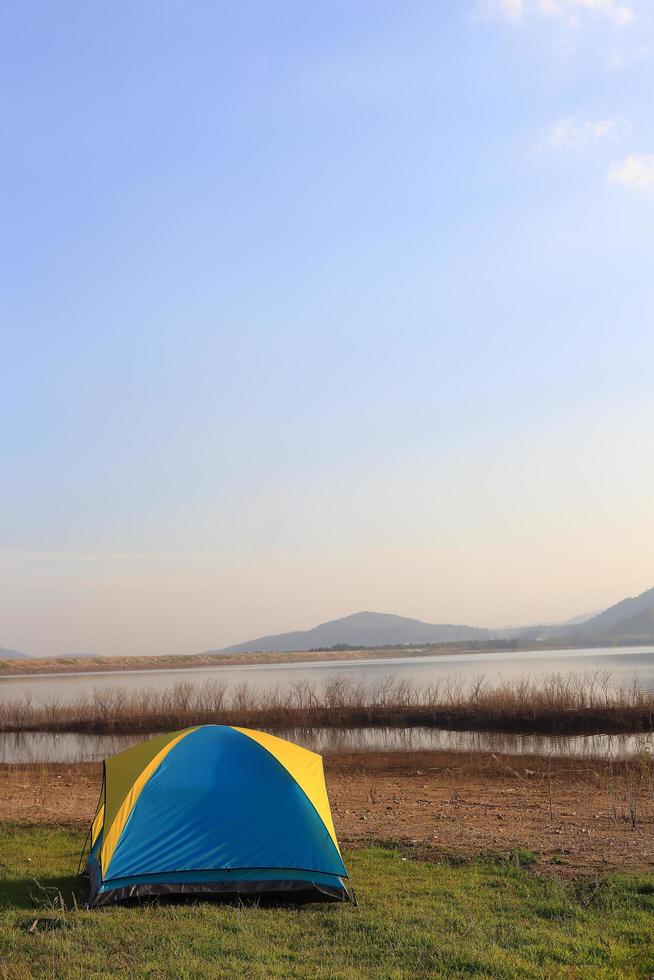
{"type": "Point", "coordinates": [488, 918]}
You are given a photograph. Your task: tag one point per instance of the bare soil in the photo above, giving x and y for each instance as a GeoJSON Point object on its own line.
{"type": "Point", "coordinates": [580, 820]}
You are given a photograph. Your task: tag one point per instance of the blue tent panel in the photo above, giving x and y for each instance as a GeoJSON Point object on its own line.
{"type": "Point", "coordinates": [221, 811]}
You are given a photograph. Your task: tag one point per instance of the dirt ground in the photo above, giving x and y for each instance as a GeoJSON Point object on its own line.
{"type": "Point", "coordinates": [581, 818]}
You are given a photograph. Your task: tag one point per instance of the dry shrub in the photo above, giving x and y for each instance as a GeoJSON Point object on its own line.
{"type": "Point", "coordinates": [554, 703]}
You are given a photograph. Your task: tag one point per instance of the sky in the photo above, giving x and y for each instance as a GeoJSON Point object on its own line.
{"type": "Point", "coordinates": [313, 308]}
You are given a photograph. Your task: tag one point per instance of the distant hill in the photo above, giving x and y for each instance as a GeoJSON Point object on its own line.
{"type": "Point", "coordinates": [639, 625]}
{"type": "Point", "coordinates": [12, 655]}
{"type": "Point", "coordinates": [628, 620]}
{"type": "Point", "coordinates": [367, 629]}
{"type": "Point", "coordinates": [578, 620]}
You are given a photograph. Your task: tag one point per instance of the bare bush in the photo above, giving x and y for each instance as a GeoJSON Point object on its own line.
{"type": "Point", "coordinates": [553, 704]}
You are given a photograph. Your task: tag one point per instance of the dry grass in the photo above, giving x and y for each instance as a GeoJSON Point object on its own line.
{"type": "Point", "coordinates": [553, 704]}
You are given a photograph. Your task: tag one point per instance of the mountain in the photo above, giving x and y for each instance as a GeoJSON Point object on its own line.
{"type": "Point", "coordinates": [578, 620]}
{"type": "Point", "coordinates": [638, 626]}
{"type": "Point", "coordinates": [620, 614]}
{"type": "Point", "coordinates": [12, 655]}
{"type": "Point", "coordinates": [364, 629]}
{"type": "Point", "coordinates": [628, 620]}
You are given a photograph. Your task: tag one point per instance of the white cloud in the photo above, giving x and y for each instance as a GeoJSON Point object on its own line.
{"type": "Point", "coordinates": [571, 12]}
{"type": "Point", "coordinates": [569, 134]}
{"type": "Point", "coordinates": [635, 172]}
{"type": "Point", "coordinates": [622, 58]}
{"type": "Point", "coordinates": [511, 10]}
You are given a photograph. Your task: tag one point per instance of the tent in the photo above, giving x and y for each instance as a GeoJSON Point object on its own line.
{"type": "Point", "coordinates": [215, 809]}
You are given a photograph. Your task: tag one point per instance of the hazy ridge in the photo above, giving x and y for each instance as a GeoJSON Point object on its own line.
{"type": "Point", "coordinates": [6, 654]}
{"type": "Point", "coordinates": [631, 619]}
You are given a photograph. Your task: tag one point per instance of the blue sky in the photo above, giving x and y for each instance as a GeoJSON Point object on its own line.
{"type": "Point", "coordinates": [316, 307]}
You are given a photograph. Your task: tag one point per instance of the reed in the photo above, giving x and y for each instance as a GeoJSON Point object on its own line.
{"type": "Point", "coordinates": [551, 704]}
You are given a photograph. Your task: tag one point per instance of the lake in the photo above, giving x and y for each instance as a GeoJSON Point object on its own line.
{"type": "Point", "coordinates": [37, 747]}
{"type": "Point", "coordinates": [624, 664]}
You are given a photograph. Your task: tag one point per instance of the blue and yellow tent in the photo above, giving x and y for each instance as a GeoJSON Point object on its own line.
{"type": "Point", "coordinates": [215, 809]}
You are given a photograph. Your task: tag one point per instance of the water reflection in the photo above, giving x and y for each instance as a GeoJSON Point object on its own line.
{"type": "Point", "coordinates": [37, 747]}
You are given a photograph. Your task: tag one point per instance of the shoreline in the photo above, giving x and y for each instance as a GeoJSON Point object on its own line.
{"type": "Point", "coordinates": [54, 666]}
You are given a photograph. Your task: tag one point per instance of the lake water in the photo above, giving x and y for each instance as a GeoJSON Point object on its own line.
{"type": "Point", "coordinates": [624, 664]}
{"type": "Point", "coordinates": [37, 747]}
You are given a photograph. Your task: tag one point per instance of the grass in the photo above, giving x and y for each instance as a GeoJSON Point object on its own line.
{"type": "Point", "coordinates": [487, 918]}
{"type": "Point", "coordinates": [553, 704]}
